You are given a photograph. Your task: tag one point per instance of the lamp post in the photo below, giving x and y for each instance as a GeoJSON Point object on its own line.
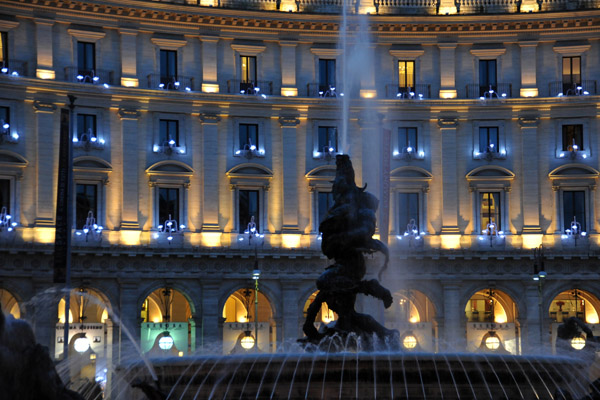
{"type": "Point", "coordinates": [256, 276]}
{"type": "Point", "coordinates": [539, 274]}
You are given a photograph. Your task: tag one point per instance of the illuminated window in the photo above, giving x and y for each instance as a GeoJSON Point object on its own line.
{"type": "Point", "coordinates": [168, 68]}
{"type": "Point", "coordinates": [5, 194]}
{"type": "Point", "coordinates": [574, 207]}
{"type": "Point", "coordinates": [488, 139]}
{"type": "Point", "coordinates": [326, 74]}
{"type": "Point", "coordinates": [248, 207]}
{"type": "Point", "coordinates": [571, 74]}
{"type": "Point", "coordinates": [86, 61]}
{"type": "Point", "coordinates": [3, 50]}
{"type": "Point", "coordinates": [86, 126]}
{"type": "Point", "coordinates": [248, 135]}
{"type": "Point", "coordinates": [168, 134]}
{"type": "Point", "coordinates": [248, 73]}
{"type": "Point", "coordinates": [487, 76]}
{"type": "Point", "coordinates": [490, 210]}
{"type": "Point", "coordinates": [572, 137]}
{"type": "Point", "coordinates": [406, 76]}
{"type": "Point", "coordinates": [86, 200]}
{"type": "Point", "coordinates": [168, 205]}
{"type": "Point", "coordinates": [328, 139]}
{"type": "Point", "coordinates": [408, 210]}
{"type": "Point", "coordinates": [407, 139]}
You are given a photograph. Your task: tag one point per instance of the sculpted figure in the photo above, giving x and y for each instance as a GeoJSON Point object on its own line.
{"type": "Point", "coordinates": [347, 233]}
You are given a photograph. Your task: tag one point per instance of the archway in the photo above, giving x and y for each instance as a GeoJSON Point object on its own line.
{"type": "Point", "coordinates": [574, 303]}
{"type": "Point", "coordinates": [243, 324]}
{"type": "Point", "coordinates": [413, 315]}
{"type": "Point", "coordinates": [325, 315]}
{"type": "Point", "coordinates": [491, 322]}
{"type": "Point", "coordinates": [9, 304]}
{"type": "Point", "coordinates": [89, 340]}
{"type": "Point", "coordinates": [166, 325]}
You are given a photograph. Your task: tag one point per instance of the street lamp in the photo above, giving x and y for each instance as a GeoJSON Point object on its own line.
{"type": "Point", "coordinates": [256, 277]}
{"type": "Point", "coordinates": [539, 274]}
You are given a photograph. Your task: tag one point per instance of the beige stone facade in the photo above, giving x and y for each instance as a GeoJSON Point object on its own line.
{"type": "Point", "coordinates": [538, 166]}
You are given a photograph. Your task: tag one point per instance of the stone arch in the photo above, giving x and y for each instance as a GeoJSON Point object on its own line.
{"type": "Point", "coordinates": [264, 289]}
{"type": "Point", "coordinates": [588, 292]}
{"type": "Point", "coordinates": [176, 285]}
{"type": "Point", "coordinates": [410, 173]}
{"type": "Point", "coordinates": [12, 160]}
{"type": "Point", "coordinates": [488, 172]}
{"type": "Point", "coordinates": [10, 303]}
{"type": "Point", "coordinates": [574, 170]}
{"type": "Point", "coordinates": [170, 167]}
{"type": "Point", "coordinates": [92, 164]}
{"type": "Point", "coordinates": [249, 170]}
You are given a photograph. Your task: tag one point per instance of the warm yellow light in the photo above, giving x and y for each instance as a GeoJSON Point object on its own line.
{"type": "Point", "coordinates": [104, 316]}
{"type": "Point", "coordinates": [450, 241]}
{"type": "Point", "coordinates": [211, 239]}
{"type": "Point", "coordinates": [591, 316]}
{"type": "Point", "coordinates": [247, 342]}
{"type": "Point", "coordinates": [532, 241]}
{"type": "Point", "coordinates": [180, 354]}
{"type": "Point", "coordinates": [289, 92]}
{"type": "Point", "coordinates": [92, 356]}
{"type": "Point", "coordinates": [44, 235]}
{"type": "Point", "coordinates": [409, 342]}
{"type": "Point", "coordinates": [327, 316]}
{"type": "Point", "coordinates": [529, 92]}
{"type": "Point", "coordinates": [448, 94]}
{"type": "Point", "coordinates": [492, 342]}
{"type": "Point", "coordinates": [447, 10]}
{"type": "Point", "coordinates": [376, 236]}
{"type": "Point", "coordinates": [45, 73]}
{"type": "Point", "coordinates": [208, 3]}
{"type": "Point", "coordinates": [290, 241]}
{"type": "Point", "coordinates": [242, 318]}
{"type": "Point", "coordinates": [130, 238]}
{"type": "Point", "coordinates": [500, 319]}
{"type": "Point", "coordinates": [529, 8]}
{"type": "Point", "coordinates": [368, 93]}
{"type": "Point", "coordinates": [578, 343]}
{"type": "Point", "coordinates": [413, 319]}
{"type": "Point", "coordinates": [130, 82]}
{"type": "Point", "coordinates": [210, 87]}
{"type": "Point", "coordinates": [156, 320]}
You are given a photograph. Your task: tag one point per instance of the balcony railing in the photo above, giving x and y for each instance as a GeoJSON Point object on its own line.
{"type": "Point", "coordinates": [237, 86]}
{"type": "Point", "coordinates": [14, 68]}
{"type": "Point", "coordinates": [497, 91]}
{"type": "Point", "coordinates": [179, 82]}
{"type": "Point", "coordinates": [485, 6]}
{"type": "Point", "coordinates": [96, 77]}
{"type": "Point", "coordinates": [313, 89]}
{"type": "Point", "coordinates": [584, 88]}
{"type": "Point", "coordinates": [417, 92]}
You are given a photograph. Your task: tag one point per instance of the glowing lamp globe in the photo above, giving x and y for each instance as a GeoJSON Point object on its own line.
{"type": "Point", "coordinates": [165, 342]}
{"type": "Point", "coordinates": [492, 342]}
{"type": "Point", "coordinates": [578, 343]}
{"type": "Point", "coordinates": [81, 344]}
{"type": "Point", "coordinates": [247, 342]}
{"type": "Point", "coordinates": [409, 342]}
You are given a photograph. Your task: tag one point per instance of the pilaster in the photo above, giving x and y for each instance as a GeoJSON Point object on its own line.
{"type": "Point", "coordinates": [448, 128]}
{"type": "Point", "coordinates": [210, 83]}
{"type": "Point", "coordinates": [212, 319]}
{"type": "Point", "coordinates": [530, 180]}
{"type": "Point", "coordinates": [290, 173]}
{"type": "Point", "coordinates": [454, 333]}
{"type": "Point", "coordinates": [129, 57]}
{"type": "Point", "coordinates": [288, 68]}
{"type": "Point", "coordinates": [210, 172]}
{"type": "Point", "coordinates": [447, 70]}
{"type": "Point", "coordinates": [528, 68]}
{"type": "Point", "coordinates": [45, 165]}
{"type": "Point", "coordinates": [131, 194]}
{"type": "Point", "coordinates": [44, 36]}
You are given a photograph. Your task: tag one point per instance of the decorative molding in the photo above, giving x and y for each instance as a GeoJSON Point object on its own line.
{"type": "Point", "coordinates": [447, 122]}
{"type": "Point", "coordinates": [407, 54]}
{"type": "Point", "coordinates": [326, 52]}
{"type": "Point", "coordinates": [289, 121]}
{"type": "Point", "coordinates": [168, 43]}
{"type": "Point", "coordinates": [41, 107]}
{"type": "Point", "coordinates": [490, 52]}
{"type": "Point", "coordinates": [248, 49]}
{"type": "Point", "coordinates": [128, 113]}
{"type": "Point", "coordinates": [81, 34]}
{"type": "Point", "coordinates": [529, 121]}
{"type": "Point", "coordinates": [571, 49]}
{"type": "Point", "coordinates": [7, 24]}
{"type": "Point", "coordinates": [209, 118]}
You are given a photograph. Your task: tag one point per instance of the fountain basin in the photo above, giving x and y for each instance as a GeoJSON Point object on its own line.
{"type": "Point", "coordinates": [360, 376]}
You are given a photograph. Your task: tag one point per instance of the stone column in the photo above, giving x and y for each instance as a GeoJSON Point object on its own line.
{"type": "Point", "coordinates": [532, 334]}
{"type": "Point", "coordinates": [210, 172]}
{"type": "Point", "coordinates": [370, 164]}
{"type": "Point", "coordinates": [448, 128]}
{"type": "Point", "coordinates": [45, 58]}
{"type": "Point", "coordinates": [454, 333]}
{"type": "Point", "coordinates": [528, 68]}
{"type": "Point", "coordinates": [447, 70]}
{"type": "Point", "coordinates": [130, 319]}
{"type": "Point", "coordinates": [290, 174]}
{"type": "Point", "coordinates": [531, 185]}
{"type": "Point", "coordinates": [130, 190]}
{"type": "Point", "coordinates": [292, 311]}
{"type": "Point", "coordinates": [210, 83]}
{"type": "Point", "coordinates": [212, 319]}
{"type": "Point", "coordinates": [129, 57]}
{"type": "Point", "coordinates": [46, 163]}
{"type": "Point", "coordinates": [288, 68]}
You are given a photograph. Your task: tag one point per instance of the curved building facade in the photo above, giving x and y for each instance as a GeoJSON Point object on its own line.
{"type": "Point", "coordinates": [204, 139]}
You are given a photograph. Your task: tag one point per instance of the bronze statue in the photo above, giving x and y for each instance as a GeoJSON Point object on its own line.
{"type": "Point", "coordinates": [347, 233]}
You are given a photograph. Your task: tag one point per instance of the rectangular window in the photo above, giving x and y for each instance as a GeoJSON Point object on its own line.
{"type": "Point", "coordinates": [406, 76]}
{"type": "Point", "coordinates": [168, 68]}
{"type": "Point", "coordinates": [487, 76]}
{"type": "Point", "coordinates": [326, 75]}
{"type": "Point", "coordinates": [248, 208]}
{"type": "Point", "coordinates": [86, 200]}
{"type": "Point", "coordinates": [572, 137]}
{"type": "Point", "coordinates": [168, 134]}
{"type": "Point", "coordinates": [488, 139]}
{"type": "Point", "coordinates": [408, 211]}
{"type": "Point", "coordinates": [248, 71]}
{"type": "Point", "coordinates": [571, 74]}
{"type": "Point", "coordinates": [407, 139]}
{"type": "Point", "coordinates": [4, 119]}
{"type": "Point", "coordinates": [328, 139]}
{"type": "Point", "coordinates": [86, 126]}
{"type": "Point", "coordinates": [490, 211]}
{"type": "Point", "coordinates": [5, 194]}
{"type": "Point", "coordinates": [574, 208]}
{"type": "Point", "coordinates": [168, 205]}
{"type": "Point", "coordinates": [325, 200]}
{"type": "Point", "coordinates": [86, 61]}
{"type": "Point", "coordinates": [3, 50]}
{"type": "Point", "coordinates": [248, 135]}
